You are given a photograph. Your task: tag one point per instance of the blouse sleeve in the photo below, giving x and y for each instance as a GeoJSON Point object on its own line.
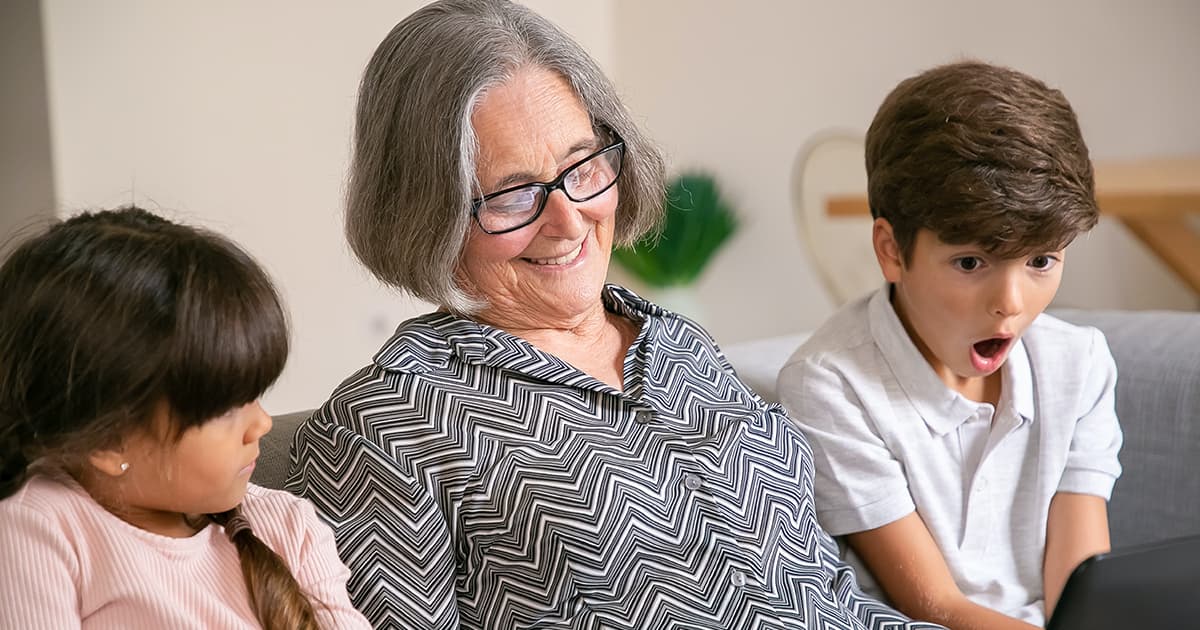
{"type": "Point", "coordinates": [386, 525]}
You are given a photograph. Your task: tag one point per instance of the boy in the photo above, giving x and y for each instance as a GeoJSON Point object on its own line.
{"type": "Point", "coordinates": [965, 443]}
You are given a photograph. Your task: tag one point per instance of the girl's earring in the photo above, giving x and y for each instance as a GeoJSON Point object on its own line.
{"type": "Point", "coordinates": [124, 466]}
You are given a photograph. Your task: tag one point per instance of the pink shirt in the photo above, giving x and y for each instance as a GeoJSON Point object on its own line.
{"type": "Point", "coordinates": [66, 562]}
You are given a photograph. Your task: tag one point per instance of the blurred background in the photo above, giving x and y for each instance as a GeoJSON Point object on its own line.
{"type": "Point", "coordinates": [237, 116]}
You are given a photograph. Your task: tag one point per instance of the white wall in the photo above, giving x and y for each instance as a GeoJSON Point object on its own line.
{"type": "Point", "coordinates": [26, 189]}
{"type": "Point", "coordinates": [237, 115]}
{"type": "Point", "coordinates": [738, 87]}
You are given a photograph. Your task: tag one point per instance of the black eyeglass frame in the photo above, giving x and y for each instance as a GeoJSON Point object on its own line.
{"type": "Point", "coordinates": [549, 187]}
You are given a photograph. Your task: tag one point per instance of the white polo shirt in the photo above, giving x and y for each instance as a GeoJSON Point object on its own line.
{"type": "Point", "coordinates": [889, 437]}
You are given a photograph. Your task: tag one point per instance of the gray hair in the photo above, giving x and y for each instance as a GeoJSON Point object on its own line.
{"type": "Point", "coordinates": [413, 172]}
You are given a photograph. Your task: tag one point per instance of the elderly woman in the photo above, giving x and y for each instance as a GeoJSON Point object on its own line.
{"type": "Point", "coordinates": [544, 450]}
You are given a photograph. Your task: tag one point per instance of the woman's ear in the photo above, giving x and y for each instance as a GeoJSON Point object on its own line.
{"type": "Point", "coordinates": [887, 250]}
{"type": "Point", "coordinates": [111, 462]}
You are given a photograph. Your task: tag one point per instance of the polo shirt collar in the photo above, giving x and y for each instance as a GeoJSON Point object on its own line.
{"type": "Point", "coordinates": [942, 408]}
{"type": "Point", "coordinates": [1018, 383]}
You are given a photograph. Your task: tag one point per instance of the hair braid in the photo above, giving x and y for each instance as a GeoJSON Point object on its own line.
{"type": "Point", "coordinates": [276, 597]}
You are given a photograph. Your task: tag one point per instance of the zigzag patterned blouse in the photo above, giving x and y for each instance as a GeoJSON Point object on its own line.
{"type": "Point", "coordinates": [475, 481]}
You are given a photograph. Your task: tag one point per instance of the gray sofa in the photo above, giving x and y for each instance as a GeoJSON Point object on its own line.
{"type": "Point", "coordinates": [1158, 401]}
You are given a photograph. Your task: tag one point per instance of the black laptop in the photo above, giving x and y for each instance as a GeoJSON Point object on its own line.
{"type": "Point", "coordinates": [1139, 588]}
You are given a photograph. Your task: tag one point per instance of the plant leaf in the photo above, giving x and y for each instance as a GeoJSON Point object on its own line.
{"type": "Point", "coordinates": [696, 223]}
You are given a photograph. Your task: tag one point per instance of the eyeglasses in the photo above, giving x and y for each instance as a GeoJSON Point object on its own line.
{"type": "Point", "coordinates": [514, 208]}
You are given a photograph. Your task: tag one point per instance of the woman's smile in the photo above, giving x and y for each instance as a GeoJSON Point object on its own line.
{"type": "Point", "coordinates": [560, 260]}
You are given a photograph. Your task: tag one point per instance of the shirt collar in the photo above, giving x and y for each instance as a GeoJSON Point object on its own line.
{"type": "Point", "coordinates": [622, 301]}
{"type": "Point", "coordinates": [428, 342]}
{"type": "Point", "coordinates": [1018, 383]}
{"type": "Point", "coordinates": [942, 408]}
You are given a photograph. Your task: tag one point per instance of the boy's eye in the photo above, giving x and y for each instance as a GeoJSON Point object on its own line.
{"type": "Point", "coordinates": [1043, 262]}
{"type": "Point", "coordinates": [967, 263]}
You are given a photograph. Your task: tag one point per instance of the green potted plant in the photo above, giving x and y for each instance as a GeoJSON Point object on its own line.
{"type": "Point", "coordinates": [696, 224]}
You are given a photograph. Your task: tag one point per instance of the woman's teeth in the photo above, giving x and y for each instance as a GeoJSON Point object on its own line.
{"type": "Point", "coordinates": [569, 257]}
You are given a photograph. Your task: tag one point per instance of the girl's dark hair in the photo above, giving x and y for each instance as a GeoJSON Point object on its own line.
{"type": "Point", "coordinates": [108, 313]}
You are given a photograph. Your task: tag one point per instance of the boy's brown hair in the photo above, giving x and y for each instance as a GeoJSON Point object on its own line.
{"type": "Point", "coordinates": [978, 153]}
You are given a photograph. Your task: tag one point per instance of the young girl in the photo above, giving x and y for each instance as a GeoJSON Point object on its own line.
{"type": "Point", "coordinates": [132, 354]}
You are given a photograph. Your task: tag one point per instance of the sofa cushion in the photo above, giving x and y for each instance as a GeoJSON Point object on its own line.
{"type": "Point", "coordinates": [273, 450]}
{"type": "Point", "coordinates": [758, 362]}
{"type": "Point", "coordinates": [1158, 402]}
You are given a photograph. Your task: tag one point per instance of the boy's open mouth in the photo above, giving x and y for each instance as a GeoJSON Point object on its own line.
{"type": "Point", "coordinates": [991, 348]}
{"type": "Point", "coordinates": [988, 355]}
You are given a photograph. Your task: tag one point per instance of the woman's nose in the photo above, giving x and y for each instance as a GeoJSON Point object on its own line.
{"type": "Point", "coordinates": [561, 217]}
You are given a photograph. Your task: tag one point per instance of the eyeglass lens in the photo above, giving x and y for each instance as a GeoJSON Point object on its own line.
{"type": "Point", "coordinates": [512, 209]}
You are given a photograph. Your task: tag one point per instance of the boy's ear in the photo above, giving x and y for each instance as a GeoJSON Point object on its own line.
{"type": "Point", "coordinates": [887, 250]}
{"type": "Point", "coordinates": [112, 462]}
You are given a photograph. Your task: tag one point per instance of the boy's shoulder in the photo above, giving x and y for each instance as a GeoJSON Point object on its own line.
{"type": "Point", "coordinates": [1049, 337]}
{"type": "Point", "coordinates": [845, 331]}
{"type": "Point", "coordinates": [1066, 358]}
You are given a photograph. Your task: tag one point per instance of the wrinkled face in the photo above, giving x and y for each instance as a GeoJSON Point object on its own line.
{"type": "Point", "coordinates": [965, 308]}
{"type": "Point", "coordinates": [204, 472]}
{"type": "Point", "coordinates": [549, 273]}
